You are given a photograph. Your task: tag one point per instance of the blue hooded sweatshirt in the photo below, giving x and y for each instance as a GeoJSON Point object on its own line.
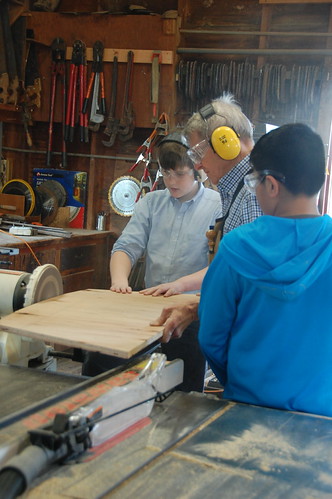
{"type": "Point", "coordinates": [265, 314]}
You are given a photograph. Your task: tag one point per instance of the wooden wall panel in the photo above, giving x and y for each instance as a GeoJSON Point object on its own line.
{"type": "Point", "coordinates": [141, 32]}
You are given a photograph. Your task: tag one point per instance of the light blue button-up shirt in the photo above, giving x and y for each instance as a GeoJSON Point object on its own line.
{"type": "Point", "coordinates": [173, 234]}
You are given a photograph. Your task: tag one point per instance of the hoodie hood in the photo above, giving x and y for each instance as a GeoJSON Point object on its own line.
{"type": "Point", "coordinates": [281, 256]}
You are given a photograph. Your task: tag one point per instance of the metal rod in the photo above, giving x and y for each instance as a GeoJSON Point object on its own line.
{"type": "Point", "coordinates": [306, 52]}
{"type": "Point", "coordinates": [79, 155]}
{"type": "Point", "coordinates": [253, 33]}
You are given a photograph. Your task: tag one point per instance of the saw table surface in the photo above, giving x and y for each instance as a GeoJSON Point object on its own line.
{"type": "Point", "coordinates": [94, 319]}
{"type": "Point", "coordinates": [19, 390]}
{"type": "Point", "coordinates": [193, 446]}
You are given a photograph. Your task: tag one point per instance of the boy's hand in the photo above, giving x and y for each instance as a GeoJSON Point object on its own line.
{"type": "Point", "coordinates": [167, 289]}
{"type": "Point", "coordinates": [121, 287]}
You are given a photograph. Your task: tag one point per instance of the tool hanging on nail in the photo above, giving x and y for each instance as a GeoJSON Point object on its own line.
{"type": "Point", "coordinates": [58, 70]}
{"type": "Point", "coordinates": [127, 125]}
{"type": "Point", "coordinates": [97, 81]}
{"type": "Point", "coordinates": [160, 130]}
{"type": "Point", "coordinates": [10, 77]}
{"type": "Point", "coordinates": [146, 182]}
{"type": "Point", "coordinates": [112, 123]}
{"type": "Point", "coordinates": [76, 94]}
{"type": "Point", "coordinates": [155, 77]}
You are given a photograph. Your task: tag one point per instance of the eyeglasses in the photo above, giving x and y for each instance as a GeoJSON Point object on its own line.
{"type": "Point", "coordinates": [179, 174]}
{"type": "Point", "coordinates": [252, 180]}
{"type": "Point", "coordinates": [197, 152]}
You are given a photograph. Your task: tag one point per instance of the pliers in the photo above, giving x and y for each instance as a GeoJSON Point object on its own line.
{"type": "Point", "coordinates": [97, 79]}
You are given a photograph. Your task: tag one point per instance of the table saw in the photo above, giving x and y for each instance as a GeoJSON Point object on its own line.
{"type": "Point", "coordinates": [192, 445]}
{"type": "Point", "coordinates": [187, 445]}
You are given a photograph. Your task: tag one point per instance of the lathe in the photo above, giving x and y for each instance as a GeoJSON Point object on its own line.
{"type": "Point", "coordinates": [151, 442]}
{"type": "Point", "coordinates": [21, 289]}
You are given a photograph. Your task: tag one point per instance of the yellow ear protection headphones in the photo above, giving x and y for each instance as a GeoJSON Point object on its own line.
{"type": "Point", "coordinates": [224, 140]}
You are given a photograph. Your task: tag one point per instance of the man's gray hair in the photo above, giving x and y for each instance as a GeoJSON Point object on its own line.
{"type": "Point", "coordinates": [227, 112]}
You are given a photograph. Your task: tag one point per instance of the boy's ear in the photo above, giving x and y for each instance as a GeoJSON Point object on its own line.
{"type": "Point", "coordinates": [272, 185]}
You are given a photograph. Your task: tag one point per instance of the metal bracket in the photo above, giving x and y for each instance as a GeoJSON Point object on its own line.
{"type": "Point", "coordinates": [9, 251]}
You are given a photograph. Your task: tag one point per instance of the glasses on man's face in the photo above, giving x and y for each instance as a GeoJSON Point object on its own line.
{"type": "Point", "coordinates": [197, 152]}
{"type": "Point", "coordinates": [178, 174]}
{"type": "Point", "coordinates": [252, 180]}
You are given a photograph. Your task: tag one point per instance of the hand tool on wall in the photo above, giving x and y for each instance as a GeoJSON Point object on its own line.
{"type": "Point", "coordinates": [13, 84]}
{"type": "Point", "coordinates": [146, 182]}
{"type": "Point", "coordinates": [155, 183]}
{"type": "Point", "coordinates": [155, 76]}
{"type": "Point", "coordinates": [58, 70]}
{"type": "Point", "coordinates": [4, 78]}
{"type": "Point", "coordinates": [76, 94]}
{"type": "Point", "coordinates": [98, 107]}
{"type": "Point", "coordinates": [145, 150]}
{"type": "Point", "coordinates": [112, 123]}
{"type": "Point", "coordinates": [160, 130]}
{"type": "Point", "coordinates": [126, 125]}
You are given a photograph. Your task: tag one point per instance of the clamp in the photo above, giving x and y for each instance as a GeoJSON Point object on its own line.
{"type": "Point", "coordinates": [145, 150]}
{"type": "Point", "coordinates": [146, 183]}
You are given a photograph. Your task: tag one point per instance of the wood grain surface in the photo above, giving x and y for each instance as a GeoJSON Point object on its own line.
{"type": "Point", "coordinates": [94, 319]}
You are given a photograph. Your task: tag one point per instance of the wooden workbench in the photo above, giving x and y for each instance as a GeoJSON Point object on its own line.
{"type": "Point", "coordinates": [83, 259]}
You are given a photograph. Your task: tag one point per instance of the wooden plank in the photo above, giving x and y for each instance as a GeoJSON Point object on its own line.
{"type": "Point", "coordinates": [94, 319]}
{"type": "Point", "coordinates": [140, 56]}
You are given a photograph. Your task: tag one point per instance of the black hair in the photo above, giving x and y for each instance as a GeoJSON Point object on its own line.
{"type": "Point", "coordinates": [172, 152]}
{"type": "Point", "coordinates": [295, 151]}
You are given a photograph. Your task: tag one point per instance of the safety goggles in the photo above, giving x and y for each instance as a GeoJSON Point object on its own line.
{"type": "Point", "coordinates": [178, 174]}
{"type": "Point", "coordinates": [252, 180]}
{"type": "Point", "coordinates": [197, 152]}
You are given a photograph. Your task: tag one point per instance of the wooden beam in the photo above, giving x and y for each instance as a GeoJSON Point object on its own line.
{"type": "Point", "coordinates": [140, 56]}
{"type": "Point", "coordinates": [295, 1]}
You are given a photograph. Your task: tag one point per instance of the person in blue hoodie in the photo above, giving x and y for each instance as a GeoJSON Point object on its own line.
{"type": "Point", "coordinates": [265, 323]}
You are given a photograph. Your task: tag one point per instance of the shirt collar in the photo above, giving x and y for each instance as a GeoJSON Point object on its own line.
{"type": "Point", "coordinates": [228, 183]}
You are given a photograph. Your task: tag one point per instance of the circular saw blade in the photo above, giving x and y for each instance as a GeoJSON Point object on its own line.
{"type": "Point", "coordinates": [49, 204]}
{"type": "Point", "coordinates": [122, 195]}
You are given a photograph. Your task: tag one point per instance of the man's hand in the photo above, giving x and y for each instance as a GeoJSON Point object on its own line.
{"type": "Point", "coordinates": [167, 289]}
{"type": "Point", "coordinates": [121, 287]}
{"type": "Point", "coordinates": [176, 319]}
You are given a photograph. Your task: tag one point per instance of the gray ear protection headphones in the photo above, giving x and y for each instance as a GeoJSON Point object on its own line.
{"type": "Point", "coordinates": [176, 137]}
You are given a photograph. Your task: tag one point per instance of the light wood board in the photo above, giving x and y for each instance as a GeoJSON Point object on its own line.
{"type": "Point", "coordinates": [94, 319]}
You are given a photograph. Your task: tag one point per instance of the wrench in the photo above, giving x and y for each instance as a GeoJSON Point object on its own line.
{"type": "Point", "coordinates": [112, 124]}
{"type": "Point", "coordinates": [126, 126]}
{"type": "Point", "coordinates": [95, 116]}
